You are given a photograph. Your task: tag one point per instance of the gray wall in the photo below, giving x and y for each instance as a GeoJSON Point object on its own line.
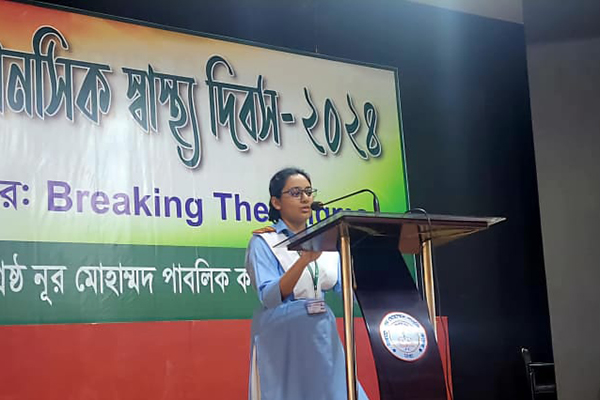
{"type": "Point", "coordinates": [564, 78]}
{"type": "Point", "coordinates": [507, 10]}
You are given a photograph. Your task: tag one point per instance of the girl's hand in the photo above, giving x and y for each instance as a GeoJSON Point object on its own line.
{"type": "Point", "coordinates": [309, 256]}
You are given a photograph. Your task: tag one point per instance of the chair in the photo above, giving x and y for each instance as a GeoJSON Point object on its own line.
{"type": "Point", "coordinates": [540, 376]}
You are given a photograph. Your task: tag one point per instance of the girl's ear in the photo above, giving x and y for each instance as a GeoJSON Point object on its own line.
{"type": "Point", "coordinates": [276, 203]}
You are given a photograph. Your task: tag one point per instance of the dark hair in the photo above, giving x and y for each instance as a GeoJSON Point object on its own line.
{"type": "Point", "coordinates": [276, 186]}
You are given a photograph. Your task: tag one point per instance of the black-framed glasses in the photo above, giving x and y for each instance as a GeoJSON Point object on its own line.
{"type": "Point", "coordinates": [296, 192]}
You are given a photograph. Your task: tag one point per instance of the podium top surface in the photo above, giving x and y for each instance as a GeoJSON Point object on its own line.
{"type": "Point", "coordinates": [411, 229]}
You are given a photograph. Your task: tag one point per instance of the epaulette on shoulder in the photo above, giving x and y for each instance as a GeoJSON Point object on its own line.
{"type": "Point", "coordinates": [266, 229]}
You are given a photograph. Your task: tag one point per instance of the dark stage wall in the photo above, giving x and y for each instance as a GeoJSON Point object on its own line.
{"type": "Point", "coordinates": [469, 150]}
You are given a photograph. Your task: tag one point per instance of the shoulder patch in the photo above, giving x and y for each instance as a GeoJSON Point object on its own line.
{"type": "Point", "coordinates": [266, 229]}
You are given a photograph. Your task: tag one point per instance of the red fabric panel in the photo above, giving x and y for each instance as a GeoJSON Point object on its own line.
{"type": "Point", "coordinates": [365, 364]}
{"type": "Point", "coordinates": [141, 360]}
{"type": "Point", "coordinates": [444, 346]}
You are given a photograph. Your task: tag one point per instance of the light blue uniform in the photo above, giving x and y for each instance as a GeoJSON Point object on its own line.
{"type": "Point", "coordinates": [295, 356]}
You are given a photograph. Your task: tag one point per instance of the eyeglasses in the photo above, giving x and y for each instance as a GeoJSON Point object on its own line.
{"type": "Point", "coordinates": [296, 192]}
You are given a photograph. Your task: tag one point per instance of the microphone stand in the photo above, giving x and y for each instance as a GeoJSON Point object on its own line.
{"type": "Point", "coordinates": [317, 204]}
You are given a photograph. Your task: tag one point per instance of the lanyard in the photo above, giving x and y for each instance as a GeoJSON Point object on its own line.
{"type": "Point", "coordinates": [315, 276]}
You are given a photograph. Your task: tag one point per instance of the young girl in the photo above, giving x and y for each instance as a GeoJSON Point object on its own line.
{"type": "Point", "coordinates": [296, 351]}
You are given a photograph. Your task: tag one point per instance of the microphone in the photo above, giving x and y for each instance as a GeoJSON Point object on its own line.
{"type": "Point", "coordinates": [317, 205]}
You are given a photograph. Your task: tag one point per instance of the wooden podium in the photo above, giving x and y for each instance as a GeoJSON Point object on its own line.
{"type": "Point", "coordinates": [401, 325]}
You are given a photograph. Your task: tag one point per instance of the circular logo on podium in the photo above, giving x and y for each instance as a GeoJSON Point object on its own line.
{"type": "Point", "coordinates": [403, 336]}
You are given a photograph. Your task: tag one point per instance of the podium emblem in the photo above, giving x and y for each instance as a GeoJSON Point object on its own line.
{"type": "Point", "coordinates": [403, 336]}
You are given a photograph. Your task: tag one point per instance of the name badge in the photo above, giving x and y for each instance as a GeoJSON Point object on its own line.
{"type": "Point", "coordinates": [316, 306]}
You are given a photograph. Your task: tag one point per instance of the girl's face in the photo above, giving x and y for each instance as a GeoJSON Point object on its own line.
{"type": "Point", "coordinates": [295, 210]}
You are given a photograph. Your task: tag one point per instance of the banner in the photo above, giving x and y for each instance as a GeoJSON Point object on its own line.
{"type": "Point", "coordinates": [135, 161]}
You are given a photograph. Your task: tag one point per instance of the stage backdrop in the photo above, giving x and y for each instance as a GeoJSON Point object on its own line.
{"type": "Point", "coordinates": [135, 163]}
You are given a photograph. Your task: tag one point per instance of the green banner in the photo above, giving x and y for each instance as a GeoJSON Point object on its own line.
{"type": "Point", "coordinates": [135, 161]}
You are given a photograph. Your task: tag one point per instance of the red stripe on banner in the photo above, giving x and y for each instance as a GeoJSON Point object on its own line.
{"type": "Point", "coordinates": [142, 360]}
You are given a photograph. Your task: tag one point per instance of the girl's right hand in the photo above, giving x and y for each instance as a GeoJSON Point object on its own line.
{"type": "Point", "coordinates": [309, 256]}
